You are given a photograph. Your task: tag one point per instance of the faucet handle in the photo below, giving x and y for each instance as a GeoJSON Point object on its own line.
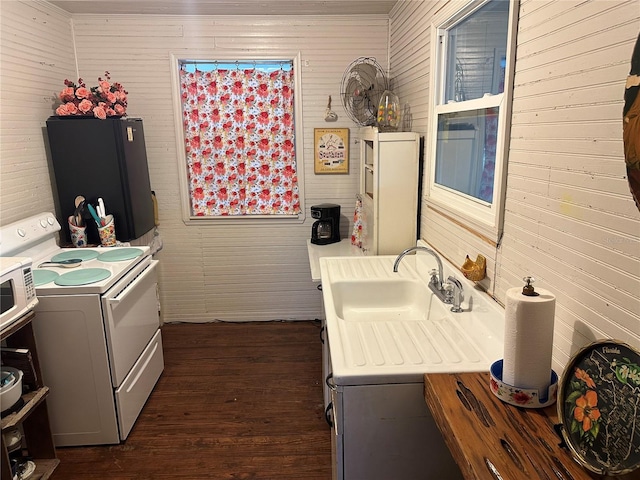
{"type": "Point", "coordinates": [434, 276]}
{"type": "Point", "coordinates": [448, 291]}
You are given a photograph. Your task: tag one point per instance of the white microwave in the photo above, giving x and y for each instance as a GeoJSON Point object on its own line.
{"type": "Point", "coordinates": [17, 290]}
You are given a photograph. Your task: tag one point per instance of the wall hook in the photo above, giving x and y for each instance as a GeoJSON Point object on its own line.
{"type": "Point", "coordinates": [330, 115]}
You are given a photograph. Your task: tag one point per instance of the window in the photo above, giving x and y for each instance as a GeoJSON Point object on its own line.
{"type": "Point", "coordinates": [471, 108]}
{"type": "Point", "coordinates": [238, 127]}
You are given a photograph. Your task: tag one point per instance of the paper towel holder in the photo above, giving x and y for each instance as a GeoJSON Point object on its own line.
{"type": "Point", "coordinates": [528, 288]}
{"type": "Point", "coordinates": [522, 397]}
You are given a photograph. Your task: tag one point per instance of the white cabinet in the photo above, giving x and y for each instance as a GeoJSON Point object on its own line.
{"type": "Point", "coordinates": [383, 432]}
{"type": "Point", "coordinates": [389, 175]}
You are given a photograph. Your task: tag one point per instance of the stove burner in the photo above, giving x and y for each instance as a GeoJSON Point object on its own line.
{"type": "Point", "coordinates": [120, 254]}
{"type": "Point", "coordinates": [79, 253]}
{"type": "Point", "coordinates": [42, 277]}
{"type": "Point", "coordinates": [85, 276]}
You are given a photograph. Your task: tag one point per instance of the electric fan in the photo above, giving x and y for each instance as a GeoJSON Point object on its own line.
{"type": "Point", "coordinates": [362, 85]}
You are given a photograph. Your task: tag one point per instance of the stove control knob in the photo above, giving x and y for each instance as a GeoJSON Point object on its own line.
{"type": "Point", "coordinates": [21, 232]}
{"type": "Point", "coordinates": [43, 223]}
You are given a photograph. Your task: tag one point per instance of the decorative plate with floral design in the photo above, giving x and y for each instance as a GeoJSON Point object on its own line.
{"type": "Point", "coordinates": [599, 407]}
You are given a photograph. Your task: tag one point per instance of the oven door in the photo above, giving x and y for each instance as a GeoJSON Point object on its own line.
{"type": "Point", "coordinates": [131, 318]}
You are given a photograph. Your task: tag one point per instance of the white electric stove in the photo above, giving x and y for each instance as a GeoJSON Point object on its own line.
{"type": "Point", "coordinates": [97, 329]}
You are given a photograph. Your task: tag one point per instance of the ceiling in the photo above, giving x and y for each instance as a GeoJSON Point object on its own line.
{"type": "Point", "coordinates": [226, 7]}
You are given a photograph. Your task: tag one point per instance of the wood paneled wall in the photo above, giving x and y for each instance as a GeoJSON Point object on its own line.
{"type": "Point", "coordinates": [36, 44]}
{"type": "Point", "coordinates": [229, 272]}
{"type": "Point", "coordinates": [570, 221]}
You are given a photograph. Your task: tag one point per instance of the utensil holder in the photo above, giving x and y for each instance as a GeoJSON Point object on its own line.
{"type": "Point", "coordinates": [78, 234]}
{"type": "Point", "coordinates": [108, 232]}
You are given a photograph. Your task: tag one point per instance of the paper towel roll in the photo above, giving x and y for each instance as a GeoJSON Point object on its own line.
{"type": "Point", "coordinates": [528, 339]}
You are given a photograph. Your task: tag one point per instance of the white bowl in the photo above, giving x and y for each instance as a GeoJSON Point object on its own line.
{"type": "Point", "coordinates": [10, 394]}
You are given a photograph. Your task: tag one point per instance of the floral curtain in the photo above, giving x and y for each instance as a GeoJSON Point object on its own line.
{"type": "Point", "coordinates": [485, 191]}
{"type": "Point", "coordinates": [239, 141]}
{"type": "Point", "coordinates": [490, 146]}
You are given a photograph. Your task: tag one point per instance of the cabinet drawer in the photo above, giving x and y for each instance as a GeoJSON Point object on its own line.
{"type": "Point", "coordinates": [136, 387]}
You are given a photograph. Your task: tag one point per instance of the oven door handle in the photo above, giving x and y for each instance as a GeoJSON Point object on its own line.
{"type": "Point", "coordinates": [115, 301]}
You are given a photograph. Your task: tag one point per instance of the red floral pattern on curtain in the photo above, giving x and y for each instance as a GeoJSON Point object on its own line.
{"type": "Point", "coordinates": [239, 142]}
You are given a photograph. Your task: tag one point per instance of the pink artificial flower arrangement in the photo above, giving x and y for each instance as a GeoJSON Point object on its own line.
{"type": "Point", "coordinates": [107, 99]}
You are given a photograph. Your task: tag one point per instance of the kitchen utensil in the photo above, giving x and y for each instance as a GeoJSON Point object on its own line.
{"type": "Point", "coordinates": [77, 213]}
{"type": "Point", "coordinates": [77, 218]}
{"type": "Point", "coordinates": [101, 211]}
{"type": "Point", "coordinates": [94, 214]}
{"type": "Point", "coordinates": [70, 263]}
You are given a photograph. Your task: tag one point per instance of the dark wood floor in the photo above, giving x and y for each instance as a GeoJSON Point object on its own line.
{"type": "Point", "coordinates": [235, 401]}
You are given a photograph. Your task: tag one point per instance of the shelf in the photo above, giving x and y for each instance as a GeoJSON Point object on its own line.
{"type": "Point", "coordinates": [33, 415]}
{"type": "Point", "coordinates": [389, 179]}
{"type": "Point", "coordinates": [17, 325]}
{"type": "Point", "coordinates": [31, 401]}
{"type": "Point", "coordinates": [44, 468]}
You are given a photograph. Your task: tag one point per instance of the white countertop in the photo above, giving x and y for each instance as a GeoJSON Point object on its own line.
{"type": "Point", "coordinates": [373, 342]}
{"type": "Point", "coordinates": [343, 248]}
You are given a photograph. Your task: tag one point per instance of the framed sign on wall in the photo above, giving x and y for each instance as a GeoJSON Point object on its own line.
{"type": "Point", "coordinates": [331, 150]}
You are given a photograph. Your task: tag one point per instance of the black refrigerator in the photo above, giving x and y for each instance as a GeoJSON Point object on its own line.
{"type": "Point", "coordinates": [102, 159]}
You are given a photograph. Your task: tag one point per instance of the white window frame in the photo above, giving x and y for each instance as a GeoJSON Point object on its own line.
{"type": "Point", "coordinates": [483, 217]}
{"type": "Point", "coordinates": [211, 57]}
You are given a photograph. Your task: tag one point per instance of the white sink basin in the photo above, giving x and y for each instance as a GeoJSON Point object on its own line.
{"type": "Point", "coordinates": [384, 300]}
{"type": "Point", "coordinates": [387, 327]}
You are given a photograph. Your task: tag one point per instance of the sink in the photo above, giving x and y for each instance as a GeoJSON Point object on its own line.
{"type": "Point", "coordinates": [389, 327]}
{"type": "Point", "coordinates": [384, 300]}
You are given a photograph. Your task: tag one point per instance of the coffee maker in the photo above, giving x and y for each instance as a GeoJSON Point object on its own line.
{"type": "Point", "coordinates": [326, 229]}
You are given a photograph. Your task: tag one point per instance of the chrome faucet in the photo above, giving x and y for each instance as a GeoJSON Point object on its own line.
{"type": "Point", "coordinates": [454, 293]}
{"type": "Point", "coordinates": [435, 285]}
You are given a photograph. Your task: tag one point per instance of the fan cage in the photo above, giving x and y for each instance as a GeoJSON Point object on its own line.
{"type": "Point", "coordinates": [363, 83]}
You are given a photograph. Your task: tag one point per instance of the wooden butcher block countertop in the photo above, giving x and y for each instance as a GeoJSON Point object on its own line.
{"type": "Point", "coordinates": [520, 443]}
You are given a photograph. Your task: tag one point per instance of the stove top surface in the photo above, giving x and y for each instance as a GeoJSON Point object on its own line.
{"type": "Point", "coordinates": [99, 269]}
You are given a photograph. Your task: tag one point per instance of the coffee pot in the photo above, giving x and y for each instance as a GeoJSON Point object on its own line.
{"type": "Point", "coordinates": [326, 228]}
